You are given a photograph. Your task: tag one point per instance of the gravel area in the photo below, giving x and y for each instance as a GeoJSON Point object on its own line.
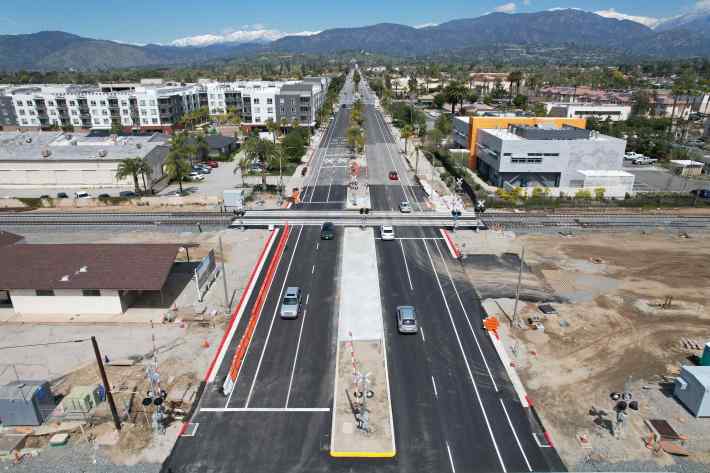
{"type": "Point", "coordinates": [75, 459]}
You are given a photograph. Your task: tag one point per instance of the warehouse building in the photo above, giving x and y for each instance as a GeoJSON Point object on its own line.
{"type": "Point", "coordinates": [84, 278]}
{"type": "Point", "coordinates": [55, 159]}
{"type": "Point", "coordinates": [565, 158]}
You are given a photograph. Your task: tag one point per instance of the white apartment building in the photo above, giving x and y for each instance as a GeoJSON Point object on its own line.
{"type": "Point", "coordinates": [587, 110]}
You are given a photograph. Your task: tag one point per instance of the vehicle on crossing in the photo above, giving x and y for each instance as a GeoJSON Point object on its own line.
{"type": "Point", "coordinates": [387, 232]}
{"type": "Point", "coordinates": [291, 303]}
{"type": "Point", "coordinates": [404, 207]}
{"type": "Point", "coordinates": [393, 176]}
{"type": "Point", "coordinates": [327, 231]}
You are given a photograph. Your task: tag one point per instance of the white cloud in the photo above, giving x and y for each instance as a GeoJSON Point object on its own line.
{"type": "Point", "coordinates": [702, 5]}
{"type": "Point", "coordinates": [649, 21]}
{"type": "Point", "coordinates": [250, 34]}
{"type": "Point", "coordinates": [507, 8]}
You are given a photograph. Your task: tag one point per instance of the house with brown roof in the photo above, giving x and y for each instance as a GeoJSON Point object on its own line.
{"type": "Point", "coordinates": [83, 278]}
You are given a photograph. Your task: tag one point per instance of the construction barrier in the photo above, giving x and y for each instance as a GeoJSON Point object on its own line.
{"type": "Point", "coordinates": [259, 302]}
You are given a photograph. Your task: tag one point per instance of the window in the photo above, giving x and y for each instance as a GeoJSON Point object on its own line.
{"type": "Point", "coordinates": [21, 112]}
{"type": "Point", "coordinates": [29, 103]}
{"type": "Point", "coordinates": [155, 121]}
{"type": "Point", "coordinates": [93, 103]}
{"type": "Point", "coordinates": [104, 112]}
{"type": "Point", "coordinates": [124, 103]}
{"type": "Point", "coordinates": [103, 102]}
{"type": "Point", "coordinates": [269, 101]}
{"type": "Point", "coordinates": [142, 103]}
{"type": "Point", "coordinates": [90, 292]}
{"type": "Point", "coordinates": [256, 100]}
{"type": "Point", "coordinates": [44, 292]}
{"type": "Point", "coordinates": [105, 121]}
{"type": "Point", "coordinates": [270, 110]}
{"type": "Point", "coordinates": [97, 121]}
{"type": "Point", "coordinates": [551, 154]}
{"type": "Point", "coordinates": [50, 103]}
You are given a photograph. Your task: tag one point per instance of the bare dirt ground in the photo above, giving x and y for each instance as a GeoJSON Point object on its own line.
{"type": "Point", "coordinates": [610, 331]}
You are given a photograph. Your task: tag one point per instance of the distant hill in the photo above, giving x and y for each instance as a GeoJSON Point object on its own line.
{"type": "Point", "coordinates": [569, 30]}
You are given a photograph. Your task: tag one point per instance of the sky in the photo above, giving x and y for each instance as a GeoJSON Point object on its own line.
{"type": "Point", "coordinates": [190, 22]}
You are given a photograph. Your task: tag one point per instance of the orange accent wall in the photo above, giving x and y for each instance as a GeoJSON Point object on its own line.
{"type": "Point", "coordinates": [476, 123]}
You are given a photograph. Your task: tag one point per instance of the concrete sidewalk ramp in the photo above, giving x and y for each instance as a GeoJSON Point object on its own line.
{"type": "Point", "coordinates": [362, 424]}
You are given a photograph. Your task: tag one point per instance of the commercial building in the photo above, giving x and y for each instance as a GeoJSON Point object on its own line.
{"type": "Point", "coordinates": [566, 158]}
{"type": "Point", "coordinates": [36, 159]}
{"type": "Point", "coordinates": [154, 104]}
{"type": "Point", "coordinates": [83, 278]}
{"type": "Point", "coordinates": [611, 112]}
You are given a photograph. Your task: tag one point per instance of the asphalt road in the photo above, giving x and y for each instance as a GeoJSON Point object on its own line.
{"type": "Point", "coordinates": [454, 407]}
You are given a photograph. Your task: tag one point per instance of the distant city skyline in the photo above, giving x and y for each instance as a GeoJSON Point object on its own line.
{"type": "Point", "coordinates": [214, 21]}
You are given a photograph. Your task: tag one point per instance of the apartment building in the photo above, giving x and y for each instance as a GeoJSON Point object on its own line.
{"type": "Point", "coordinates": [155, 105]}
{"type": "Point", "coordinates": [611, 112]}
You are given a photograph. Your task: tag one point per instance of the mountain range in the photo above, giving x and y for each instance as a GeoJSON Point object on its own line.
{"type": "Point", "coordinates": [569, 28]}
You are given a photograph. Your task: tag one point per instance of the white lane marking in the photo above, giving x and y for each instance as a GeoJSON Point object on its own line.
{"type": "Point", "coordinates": [273, 319]}
{"type": "Point", "coordinates": [295, 358]}
{"type": "Point", "coordinates": [265, 409]}
{"type": "Point", "coordinates": [433, 383]}
{"type": "Point", "coordinates": [323, 155]}
{"type": "Point", "coordinates": [535, 436]}
{"type": "Point", "coordinates": [313, 270]}
{"type": "Point", "coordinates": [414, 238]}
{"type": "Point", "coordinates": [317, 245]}
{"type": "Point", "coordinates": [421, 332]}
{"type": "Point", "coordinates": [465, 360]}
{"type": "Point", "coordinates": [515, 434]}
{"type": "Point", "coordinates": [308, 297]}
{"type": "Point", "coordinates": [406, 266]}
{"type": "Point", "coordinates": [451, 458]}
{"type": "Point", "coordinates": [468, 319]}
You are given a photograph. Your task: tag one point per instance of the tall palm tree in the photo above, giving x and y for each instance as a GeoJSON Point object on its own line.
{"type": "Point", "coordinates": [455, 93]}
{"type": "Point", "coordinates": [243, 167]}
{"type": "Point", "coordinates": [407, 133]}
{"type": "Point", "coordinates": [273, 127]}
{"type": "Point", "coordinates": [264, 151]}
{"type": "Point", "coordinates": [177, 167]}
{"type": "Point", "coordinates": [145, 170]}
{"type": "Point", "coordinates": [202, 148]}
{"type": "Point", "coordinates": [129, 167]}
{"type": "Point", "coordinates": [514, 79]}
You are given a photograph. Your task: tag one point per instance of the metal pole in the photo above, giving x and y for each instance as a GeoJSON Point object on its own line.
{"type": "Point", "coordinates": [104, 379]}
{"type": "Point", "coordinates": [416, 164]}
{"type": "Point", "coordinates": [224, 277]}
{"type": "Point", "coordinates": [517, 289]}
{"type": "Point", "coordinates": [281, 180]}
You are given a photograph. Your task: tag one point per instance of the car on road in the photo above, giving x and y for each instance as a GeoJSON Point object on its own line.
{"type": "Point", "coordinates": [406, 319]}
{"type": "Point", "coordinates": [82, 195]}
{"type": "Point", "coordinates": [327, 231]}
{"type": "Point", "coordinates": [127, 194]}
{"type": "Point", "coordinates": [405, 208]}
{"type": "Point", "coordinates": [62, 195]}
{"type": "Point", "coordinates": [643, 161]}
{"type": "Point", "coordinates": [701, 193]}
{"type": "Point", "coordinates": [387, 232]}
{"type": "Point", "coordinates": [291, 303]}
{"type": "Point", "coordinates": [631, 155]}
{"type": "Point", "coordinates": [393, 176]}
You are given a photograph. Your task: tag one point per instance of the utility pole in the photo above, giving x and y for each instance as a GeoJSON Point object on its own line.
{"type": "Point", "coordinates": [224, 277]}
{"type": "Point", "coordinates": [104, 379]}
{"type": "Point", "coordinates": [416, 163]}
{"type": "Point", "coordinates": [517, 289]}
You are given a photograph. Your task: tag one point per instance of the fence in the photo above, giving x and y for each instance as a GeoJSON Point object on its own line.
{"type": "Point", "coordinates": [205, 274]}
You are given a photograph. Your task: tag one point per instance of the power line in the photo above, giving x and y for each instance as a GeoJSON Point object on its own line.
{"type": "Point", "coordinates": [79, 340]}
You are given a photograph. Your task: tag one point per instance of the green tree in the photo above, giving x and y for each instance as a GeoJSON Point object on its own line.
{"type": "Point", "coordinates": [273, 127]}
{"type": "Point", "coordinates": [444, 124]}
{"type": "Point", "coordinates": [243, 166]}
{"type": "Point", "coordinates": [263, 151]}
{"type": "Point", "coordinates": [129, 167]}
{"type": "Point", "coordinates": [515, 78]}
{"type": "Point", "coordinates": [407, 132]}
{"type": "Point", "coordinates": [439, 101]}
{"type": "Point", "coordinates": [599, 193]}
{"type": "Point", "coordinates": [294, 146]}
{"type": "Point", "coordinates": [202, 148]}
{"type": "Point", "coordinates": [145, 169]}
{"type": "Point", "coordinates": [521, 101]}
{"type": "Point", "coordinates": [455, 93]}
{"type": "Point", "coordinates": [116, 128]}
{"type": "Point", "coordinates": [355, 139]}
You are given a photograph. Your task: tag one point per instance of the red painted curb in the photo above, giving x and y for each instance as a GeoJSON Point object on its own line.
{"type": "Point", "coordinates": [183, 429]}
{"type": "Point", "coordinates": [451, 242]}
{"type": "Point", "coordinates": [529, 401]}
{"type": "Point", "coordinates": [233, 317]}
{"type": "Point", "coordinates": [548, 438]}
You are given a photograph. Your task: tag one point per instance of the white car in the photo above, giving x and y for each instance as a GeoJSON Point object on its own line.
{"type": "Point", "coordinates": [82, 195]}
{"type": "Point", "coordinates": [404, 207]}
{"type": "Point", "coordinates": [196, 176]}
{"type": "Point", "coordinates": [387, 232]}
{"type": "Point", "coordinates": [644, 160]}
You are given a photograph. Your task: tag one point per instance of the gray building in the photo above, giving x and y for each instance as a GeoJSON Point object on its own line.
{"type": "Point", "coordinates": [707, 129]}
{"type": "Point", "coordinates": [692, 388]}
{"type": "Point", "coordinates": [8, 118]}
{"type": "Point", "coordinates": [301, 101]}
{"type": "Point", "coordinates": [568, 158]}
{"type": "Point", "coordinates": [25, 403]}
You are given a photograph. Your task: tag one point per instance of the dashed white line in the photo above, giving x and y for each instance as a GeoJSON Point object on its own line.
{"type": "Point", "coordinates": [451, 458]}
{"type": "Point", "coordinates": [313, 270]}
{"type": "Point", "coordinates": [308, 297]}
{"type": "Point", "coordinates": [317, 245]}
{"type": "Point", "coordinates": [433, 383]}
{"type": "Point", "coordinates": [273, 319]}
{"type": "Point", "coordinates": [406, 266]}
{"type": "Point", "coordinates": [517, 440]}
{"type": "Point", "coordinates": [295, 358]}
{"type": "Point", "coordinates": [421, 332]}
{"type": "Point", "coordinates": [465, 359]}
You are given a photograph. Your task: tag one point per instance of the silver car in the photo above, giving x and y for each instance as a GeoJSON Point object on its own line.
{"type": "Point", "coordinates": [406, 319]}
{"type": "Point", "coordinates": [291, 303]}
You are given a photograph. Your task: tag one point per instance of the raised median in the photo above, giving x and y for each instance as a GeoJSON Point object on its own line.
{"type": "Point", "coordinates": [362, 424]}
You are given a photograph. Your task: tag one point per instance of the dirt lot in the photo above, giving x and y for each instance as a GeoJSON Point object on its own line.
{"type": "Point", "coordinates": [610, 332]}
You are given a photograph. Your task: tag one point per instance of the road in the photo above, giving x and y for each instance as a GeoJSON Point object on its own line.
{"type": "Point", "coordinates": [454, 407]}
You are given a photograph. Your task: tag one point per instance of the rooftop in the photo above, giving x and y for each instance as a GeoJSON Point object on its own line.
{"type": "Point", "coordinates": [84, 266]}
{"type": "Point", "coordinates": [59, 146]}
{"type": "Point", "coordinates": [546, 133]}
{"type": "Point", "coordinates": [687, 163]}
{"type": "Point", "coordinates": [20, 390]}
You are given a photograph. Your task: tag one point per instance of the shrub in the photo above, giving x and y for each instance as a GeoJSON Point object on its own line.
{"type": "Point", "coordinates": [599, 193]}
{"type": "Point", "coordinates": [583, 194]}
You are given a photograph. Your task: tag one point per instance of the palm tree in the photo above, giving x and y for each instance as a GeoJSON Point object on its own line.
{"type": "Point", "coordinates": [273, 127]}
{"type": "Point", "coordinates": [354, 136]}
{"type": "Point", "coordinates": [145, 169]}
{"type": "Point", "coordinates": [264, 151]}
{"type": "Point", "coordinates": [202, 148]}
{"type": "Point", "coordinates": [242, 166]}
{"type": "Point", "coordinates": [514, 79]}
{"type": "Point", "coordinates": [407, 133]}
{"type": "Point", "coordinates": [177, 166]}
{"type": "Point", "coordinates": [455, 93]}
{"type": "Point", "coordinates": [129, 167]}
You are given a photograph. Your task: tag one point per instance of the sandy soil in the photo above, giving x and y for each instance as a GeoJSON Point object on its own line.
{"type": "Point", "coordinates": [611, 332]}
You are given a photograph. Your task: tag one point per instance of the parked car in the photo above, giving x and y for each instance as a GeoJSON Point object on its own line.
{"type": "Point", "coordinates": [393, 176]}
{"type": "Point", "coordinates": [702, 193]}
{"type": "Point", "coordinates": [212, 163]}
{"type": "Point", "coordinates": [405, 208]}
{"type": "Point", "coordinates": [291, 303]}
{"type": "Point", "coordinates": [631, 155]}
{"type": "Point", "coordinates": [644, 161]}
{"type": "Point", "coordinates": [127, 194]}
{"type": "Point", "coordinates": [62, 195]}
{"type": "Point", "coordinates": [406, 319]}
{"type": "Point", "coordinates": [44, 196]}
{"type": "Point", "coordinates": [387, 232]}
{"type": "Point", "coordinates": [82, 195]}
{"type": "Point", "coordinates": [104, 196]}
{"type": "Point", "coordinates": [197, 176]}
{"type": "Point", "coordinates": [327, 231]}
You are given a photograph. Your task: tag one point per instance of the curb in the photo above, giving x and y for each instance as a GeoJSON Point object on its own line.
{"type": "Point", "coordinates": [239, 309]}
{"type": "Point", "coordinates": [388, 454]}
{"type": "Point", "coordinates": [450, 244]}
